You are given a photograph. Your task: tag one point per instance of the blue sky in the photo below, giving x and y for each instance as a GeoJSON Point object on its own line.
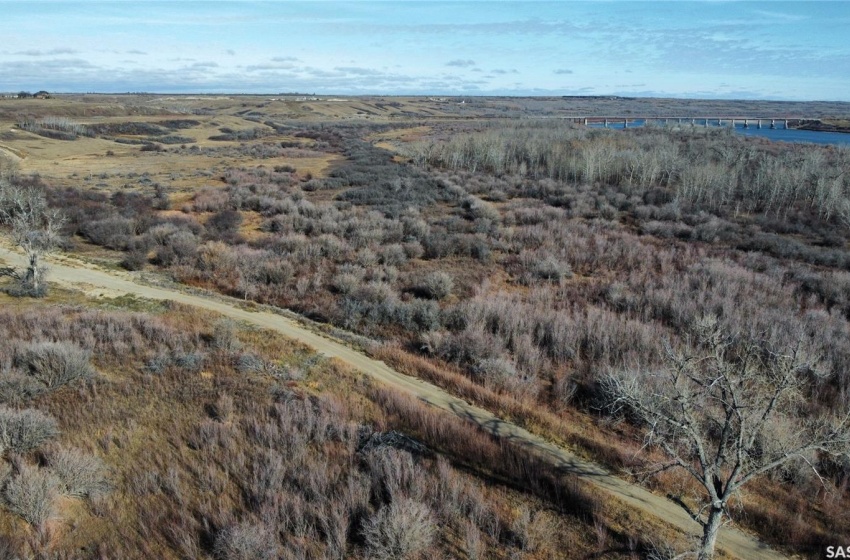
{"type": "Point", "coordinates": [744, 50]}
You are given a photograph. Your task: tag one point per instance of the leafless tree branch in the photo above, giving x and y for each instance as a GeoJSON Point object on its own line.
{"type": "Point", "coordinates": [726, 414]}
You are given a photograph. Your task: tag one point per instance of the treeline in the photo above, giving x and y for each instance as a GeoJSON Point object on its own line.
{"type": "Point", "coordinates": [58, 128]}
{"type": "Point", "coordinates": [711, 169]}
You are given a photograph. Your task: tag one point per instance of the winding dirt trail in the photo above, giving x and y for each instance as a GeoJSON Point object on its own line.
{"type": "Point", "coordinates": [10, 153]}
{"type": "Point", "coordinates": [80, 275]}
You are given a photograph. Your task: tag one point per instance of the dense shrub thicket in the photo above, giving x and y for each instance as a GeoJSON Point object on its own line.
{"type": "Point", "coordinates": [710, 169]}
{"type": "Point", "coordinates": [599, 291]}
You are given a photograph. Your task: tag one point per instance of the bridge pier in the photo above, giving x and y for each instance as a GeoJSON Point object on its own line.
{"type": "Point", "coordinates": [772, 124]}
{"type": "Point", "coordinates": [606, 123]}
{"type": "Point", "coordinates": [585, 121]}
{"type": "Point", "coordinates": [786, 124]}
{"type": "Point", "coordinates": [759, 126]}
{"type": "Point", "coordinates": [746, 123]}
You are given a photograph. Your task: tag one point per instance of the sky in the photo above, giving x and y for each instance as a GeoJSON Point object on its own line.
{"type": "Point", "coordinates": [709, 49]}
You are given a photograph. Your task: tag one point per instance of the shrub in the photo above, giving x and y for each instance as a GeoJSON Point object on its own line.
{"type": "Point", "coordinates": [250, 363]}
{"type": "Point", "coordinates": [55, 363]}
{"type": "Point", "coordinates": [230, 135]}
{"type": "Point", "coordinates": [395, 474]}
{"type": "Point", "coordinates": [24, 430]}
{"type": "Point", "coordinates": [159, 363]}
{"type": "Point", "coordinates": [404, 529]}
{"type": "Point", "coordinates": [551, 269]}
{"type": "Point", "coordinates": [480, 210]}
{"type": "Point", "coordinates": [175, 139]}
{"type": "Point", "coordinates": [224, 336]}
{"type": "Point", "coordinates": [225, 221]}
{"type": "Point", "coordinates": [16, 387]}
{"type": "Point", "coordinates": [179, 246]}
{"type": "Point", "coordinates": [79, 473]}
{"type": "Point", "coordinates": [31, 494]}
{"type": "Point", "coordinates": [346, 283]}
{"type": "Point", "coordinates": [190, 361]}
{"type": "Point", "coordinates": [222, 410]}
{"type": "Point", "coordinates": [134, 260]}
{"type": "Point", "coordinates": [473, 545]}
{"type": "Point", "coordinates": [113, 232]}
{"type": "Point", "coordinates": [545, 267]}
{"type": "Point", "coordinates": [393, 255]}
{"type": "Point", "coordinates": [437, 285]}
{"type": "Point", "coordinates": [421, 316]}
{"type": "Point", "coordinates": [495, 370]}
{"type": "Point", "coordinates": [246, 542]}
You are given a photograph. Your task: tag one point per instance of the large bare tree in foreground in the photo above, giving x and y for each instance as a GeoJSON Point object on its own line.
{"type": "Point", "coordinates": [35, 228]}
{"type": "Point", "coordinates": [728, 413]}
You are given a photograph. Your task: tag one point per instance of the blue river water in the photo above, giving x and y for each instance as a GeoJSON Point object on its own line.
{"type": "Point", "coordinates": [792, 135]}
{"type": "Point", "coordinates": [778, 134]}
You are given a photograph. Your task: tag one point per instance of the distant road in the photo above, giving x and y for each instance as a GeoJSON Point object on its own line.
{"type": "Point", "coordinates": [78, 275]}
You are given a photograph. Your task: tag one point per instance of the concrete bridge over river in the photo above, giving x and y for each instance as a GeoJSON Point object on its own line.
{"type": "Point", "coordinates": [706, 121]}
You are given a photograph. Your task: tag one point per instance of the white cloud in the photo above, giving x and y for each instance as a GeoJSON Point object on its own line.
{"type": "Point", "coordinates": [51, 52]}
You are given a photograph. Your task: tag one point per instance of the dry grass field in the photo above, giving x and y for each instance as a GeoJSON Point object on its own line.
{"type": "Point", "coordinates": [115, 161]}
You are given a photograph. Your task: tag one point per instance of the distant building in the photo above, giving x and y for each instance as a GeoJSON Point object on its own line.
{"type": "Point", "coordinates": [42, 95]}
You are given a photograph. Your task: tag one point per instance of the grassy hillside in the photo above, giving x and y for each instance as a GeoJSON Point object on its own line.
{"type": "Point", "coordinates": [194, 437]}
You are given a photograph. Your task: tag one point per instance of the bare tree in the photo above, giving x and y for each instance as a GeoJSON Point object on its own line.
{"type": "Point", "coordinates": [728, 413]}
{"type": "Point", "coordinates": [35, 228]}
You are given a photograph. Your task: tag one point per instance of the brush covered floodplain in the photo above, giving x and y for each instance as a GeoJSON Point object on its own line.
{"type": "Point", "coordinates": [531, 266]}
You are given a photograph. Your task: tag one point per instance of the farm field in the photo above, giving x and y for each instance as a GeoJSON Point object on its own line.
{"type": "Point", "coordinates": [557, 277]}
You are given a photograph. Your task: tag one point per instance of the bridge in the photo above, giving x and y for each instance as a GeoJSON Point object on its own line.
{"type": "Point", "coordinates": [705, 121]}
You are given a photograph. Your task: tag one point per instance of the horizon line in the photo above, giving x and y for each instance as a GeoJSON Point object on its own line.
{"type": "Point", "coordinates": [447, 95]}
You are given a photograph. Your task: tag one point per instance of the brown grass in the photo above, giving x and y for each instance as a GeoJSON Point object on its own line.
{"type": "Point", "coordinates": [511, 464]}
{"type": "Point", "coordinates": [574, 431]}
{"type": "Point", "coordinates": [182, 444]}
{"type": "Point", "coordinates": [85, 160]}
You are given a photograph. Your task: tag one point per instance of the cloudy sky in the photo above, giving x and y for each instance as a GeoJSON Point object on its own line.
{"type": "Point", "coordinates": [772, 50]}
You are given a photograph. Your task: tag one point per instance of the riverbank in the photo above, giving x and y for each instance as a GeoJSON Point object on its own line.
{"type": "Point", "coordinates": [828, 125]}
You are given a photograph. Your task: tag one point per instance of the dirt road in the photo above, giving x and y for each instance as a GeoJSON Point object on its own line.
{"type": "Point", "coordinates": [95, 281]}
{"type": "Point", "coordinates": [14, 155]}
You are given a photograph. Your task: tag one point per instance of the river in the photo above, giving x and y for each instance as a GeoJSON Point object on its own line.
{"type": "Point", "coordinates": [794, 135]}
{"type": "Point", "coordinates": [778, 134]}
